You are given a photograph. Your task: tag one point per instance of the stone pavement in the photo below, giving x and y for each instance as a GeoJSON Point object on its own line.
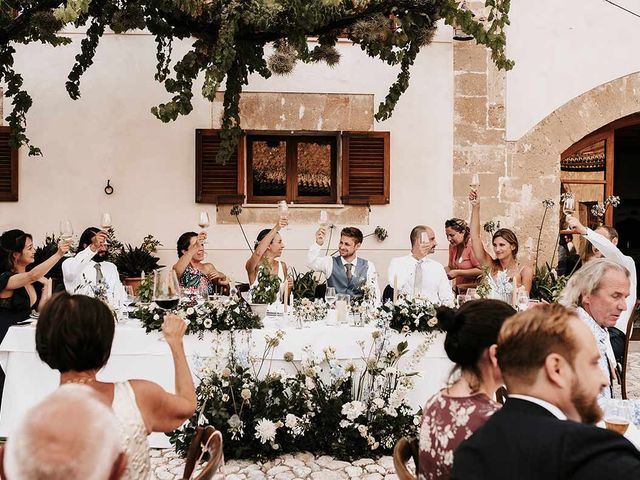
{"type": "Point", "coordinates": [167, 465]}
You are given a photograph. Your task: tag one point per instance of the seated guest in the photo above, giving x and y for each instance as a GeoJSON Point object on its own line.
{"type": "Point", "coordinates": [22, 291]}
{"type": "Point", "coordinates": [74, 335]}
{"type": "Point", "coordinates": [461, 408]}
{"type": "Point", "coordinates": [193, 274]}
{"type": "Point", "coordinates": [70, 435]}
{"type": "Point", "coordinates": [549, 362]}
{"type": "Point", "coordinates": [505, 274]}
{"type": "Point", "coordinates": [418, 276]}
{"type": "Point", "coordinates": [89, 272]}
{"type": "Point", "coordinates": [268, 250]}
{"type": "Point", "coordinates": [568, 258]}
{"type": "Point", "coordinates": [605, 245]}
{"type": "Point", "coordinates": [347, 273]}
{"type": "Point", "coordinates": [463, 266]}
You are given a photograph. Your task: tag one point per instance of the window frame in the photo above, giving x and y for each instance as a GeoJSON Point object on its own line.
{"type": "Point", "coordinates": [291, 141]}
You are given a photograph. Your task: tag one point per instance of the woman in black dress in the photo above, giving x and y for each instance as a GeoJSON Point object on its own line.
{"type": "Point", "coordinates": [22, 291]}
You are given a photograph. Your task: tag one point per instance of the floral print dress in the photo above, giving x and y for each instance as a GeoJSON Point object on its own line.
{"type": "Point", "coordinates": [446, 423]}
{"type": "Point", "coordinates": [192, 280]}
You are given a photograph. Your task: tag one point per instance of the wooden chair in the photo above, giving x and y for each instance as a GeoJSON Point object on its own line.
{"type": "Point", "coordinates": [207, 440]}
{"type": "Point", "coordinates": [406, 448]}
{"type": "Point", "coordinates": [501, 395]}
{"type": "Point", "coordinates": [623, 374]}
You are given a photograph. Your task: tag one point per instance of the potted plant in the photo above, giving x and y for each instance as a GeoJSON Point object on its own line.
{"type": "Point", "coordinates": [265, 291]}
{"type": "Point", "coordinates": [132, 262]}
{"type": "Point", "coordinates": [42, 253]}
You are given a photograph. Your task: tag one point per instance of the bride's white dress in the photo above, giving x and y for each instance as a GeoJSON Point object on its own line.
{"type": "Point", "coordinates": [501, 287]}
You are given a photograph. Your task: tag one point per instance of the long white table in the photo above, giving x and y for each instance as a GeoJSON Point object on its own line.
{"type": "Point", "coordinates": [136, 354]}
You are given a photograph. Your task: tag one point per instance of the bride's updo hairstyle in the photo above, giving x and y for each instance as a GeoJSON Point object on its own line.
{"type": "Point", "coordinates": [472, 329]}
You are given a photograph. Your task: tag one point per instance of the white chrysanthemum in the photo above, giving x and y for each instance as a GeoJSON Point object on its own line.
{"type": "Point", "coordinates": [353, 410]}
{"type": "Point", "coordinates": [207, 323]}
{"type": "Point", "coordinates": [266, 430]}
{"type": "Point", "coordinates": [291, 421]}
{"type": "Point", "coordinates": [190, 311]}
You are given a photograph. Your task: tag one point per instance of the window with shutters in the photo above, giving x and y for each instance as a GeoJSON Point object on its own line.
{"type": "Point", "coordinates": [8, 168]}
{"type": "Point", "coordinates": [298, 169]}
{"type": "Point", "coordinates": [301, 169]}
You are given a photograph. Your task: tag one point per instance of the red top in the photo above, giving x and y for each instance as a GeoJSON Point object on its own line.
{"type": "Point", "coordinates": [465, 261]}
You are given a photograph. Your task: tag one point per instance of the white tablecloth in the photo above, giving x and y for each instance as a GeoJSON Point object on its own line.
{"type": "Point", "coordinates": [136, 354]}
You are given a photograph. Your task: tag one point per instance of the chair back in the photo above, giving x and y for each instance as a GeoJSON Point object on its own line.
{"type": "Point", "coordinates": [405, 449]}
{"type": "Point", "coordinates": [627, 339]}
{"type": "Point", "coordinates": [207, 440]}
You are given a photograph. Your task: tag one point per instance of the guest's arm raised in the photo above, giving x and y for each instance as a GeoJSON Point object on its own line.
{"type": "Point", "coordinates": [316, 261]}
{"type": "Point", "coordinates": [163, 411]}
{"type": "Point", "coordinates": [476, 241]}
{"type": "Point", "coordinates": [19, 280]}
{"type": "Point", "coordinates": [183, 262]}
{"type": "Point", "coordinates": [256, 257]}
{"type": "Point", "coordinates": [72, 267]}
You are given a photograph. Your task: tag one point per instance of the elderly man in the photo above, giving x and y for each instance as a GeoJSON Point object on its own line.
{"type": "Point", "coordinates": [70, 435]}
{"type": "Point", "coordinates": [415, 275]}
{"type": "Point", "coordinates": [548, 360]}
{"type": "Point", "coordinates": [347, 273]}
{"type": "Point", "coordinates": [89, 273]}
{"type": "Point", "coordinates": [605, 245]}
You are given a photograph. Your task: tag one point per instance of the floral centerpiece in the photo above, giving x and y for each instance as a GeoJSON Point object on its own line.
{"type": "Point", "coordinates": [320, 405]}
{"type": "Point", "coordinates": [410, 315]}
{"type": "Point", "coordinates": [219, 314]}
{"type": "Point", "coordinates": [310, 310]}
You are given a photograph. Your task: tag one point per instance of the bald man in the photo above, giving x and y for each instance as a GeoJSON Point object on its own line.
{"type": "Point", "coordinates": [70, 435]}
{"type": "Point", "coordinates": [417, 276]}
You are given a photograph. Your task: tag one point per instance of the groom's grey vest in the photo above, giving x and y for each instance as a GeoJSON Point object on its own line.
{"type": "Point", "coordinates": [338, 278]}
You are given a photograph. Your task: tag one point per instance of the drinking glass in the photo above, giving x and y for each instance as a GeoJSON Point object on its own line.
{"type": "Point", "coordinates": [283, 211]}
{"type": "Point", "coordinates": [523, 300]}
{"type": "Point", "coordinates": [66, 233]}
{"type": "Point", "coordinates": [461, 299]}
{"type": "Point", "coordinates": [166, 289]}
{"type": "Point", "coordinates": [105, 221]}
{"type": "Point", "coordinates": [472, 293]}
{"type": "Point", "coordinates": [475, 181]}
{"type": "Point", "coordinates": [330, 297]}
{"type": "Point", "coordinates": [322, 221]}
{"type": "Point", "coordinates": [129, 301]}
{"type": "Point", "coordinates": [342, 305]}
{"type": "Point", "coordinates": [203, 222]}
{"type": "Point", "coordinates": [569, 204]}
{"type": "Point", "coordinates": [617, 416]}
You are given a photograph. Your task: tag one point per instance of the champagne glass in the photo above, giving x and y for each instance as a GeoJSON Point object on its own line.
{"type": "Point", "coordinates": [475, 182]}
{"type": "Point", "coordinates": [330, 297]}
{"type": "Point", "coordinates": [66, 233]}
{"type": "Point", "coordinates": [283, 211]}
{"type": "Point", "coordinates": [569, 204]}
{"type": "Point", "coordinates": [105, 223]}
{"type": "Point", "coordinates": [203, 222]}
{"type": "Point", "coordinates": [129, 301]}
{"type": "Point", "coordinates": [322, 221]}
{"type": "Point", "coordinates": [166, 289]}
{"type": "Point", "coordinates": [617, 416]}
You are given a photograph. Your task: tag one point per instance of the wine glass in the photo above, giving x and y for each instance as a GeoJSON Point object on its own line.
{"type": "Point", "coordinates": [569, 204]}
{"type": "Point", "coordinates": [330, 296]}
{"type": "Point", "coordinates": [283, 211]}
{"type": "Point", "coordinates": [203, 221]}
{"type": "Point", "coordinates": [617, 416]}
{"type": "Point", "coordinates": [475, 181]}
{"type": "Point", "coordinates": [105, 223]}
{"type": "Point", "coordinates": [130, 300]}
{"type": "Point", "coordinates": [166, 289]}
{"type": "Point", "coordinates": [322, 221]}
{"type": "Point", "coordinates": [523, 300]}
{"type": "Point", "coordinates": [66, 233]}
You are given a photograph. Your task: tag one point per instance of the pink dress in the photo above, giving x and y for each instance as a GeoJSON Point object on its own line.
{"type": "Point", "coordinates": [465, 261]}
{"type": "Point", "coordinates": [446, 423]}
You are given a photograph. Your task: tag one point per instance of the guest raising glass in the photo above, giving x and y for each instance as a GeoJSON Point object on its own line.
{"type": "Point", "coordinates": [193, 272]}
{"type": "Point", "coordinates": [268, 250]}
{"type": "Point", "coordinates": [463, 266]}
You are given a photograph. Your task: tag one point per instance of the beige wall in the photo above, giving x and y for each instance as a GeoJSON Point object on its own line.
{"type": "Point", "coordinates": [110, 134]}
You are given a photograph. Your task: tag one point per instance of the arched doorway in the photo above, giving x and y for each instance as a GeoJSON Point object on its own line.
{"type": "Point", "coordinates": [604, 163]}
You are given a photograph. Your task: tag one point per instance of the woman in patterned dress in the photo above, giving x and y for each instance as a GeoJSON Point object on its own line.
{"type": "Point", "coordinates": [193, 273]}
{"type": "Point", "coordinates": [454, 413]}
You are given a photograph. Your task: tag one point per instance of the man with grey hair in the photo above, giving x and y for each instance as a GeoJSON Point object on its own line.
{"type": "Point", "coordinates": [605, 245]}
{"type": "Point", "coordinates": [70, 435]}
{"type": "Point", "coordinates": [599, 291]}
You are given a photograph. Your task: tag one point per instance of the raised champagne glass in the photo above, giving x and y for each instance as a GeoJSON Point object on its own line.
{"type": "Point", "coordinates": [283, 211]}
{"type": "Point", "coordinates": [475, 182]}
{"type": "Point", "coordinates": [203, 222]}
{"type": "Point", "coordinates": [66, 233]}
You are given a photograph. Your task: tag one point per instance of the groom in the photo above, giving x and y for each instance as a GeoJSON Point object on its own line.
{"type": "Point", "coordinates": [347, 273]}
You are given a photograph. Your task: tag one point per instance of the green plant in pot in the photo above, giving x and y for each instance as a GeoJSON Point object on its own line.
{"type": "Point", "coordinates": [133, 261]}
{"type": "Point", "coordinates": [45, 251]}
{"type": "Point", "coordinates": [265, 291]}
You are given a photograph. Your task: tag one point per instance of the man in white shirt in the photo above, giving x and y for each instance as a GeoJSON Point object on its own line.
{"type": "Point", "coordinates": [347, 273]}
{"type": "Point", "coordinates": [89, 273]}
{"type": "Point", "coordinates": [605, 245]}
{"type": "Point", "coordinates": [415, 275]}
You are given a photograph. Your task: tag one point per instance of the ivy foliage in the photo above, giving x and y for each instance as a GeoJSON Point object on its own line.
{"type": "Point", "coordinates": [233, 39]}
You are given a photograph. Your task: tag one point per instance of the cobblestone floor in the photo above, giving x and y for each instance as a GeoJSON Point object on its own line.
{"type": "Point", "coordinates": [167, 465]}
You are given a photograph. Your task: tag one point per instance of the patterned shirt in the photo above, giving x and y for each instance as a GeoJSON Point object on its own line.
{"type": "Point", "coordinates": [446, 423]}
{"type": "Point", "coordinates": [604, 345]}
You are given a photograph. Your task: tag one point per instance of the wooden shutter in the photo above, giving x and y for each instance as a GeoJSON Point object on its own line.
{"type": "Point", "coordinates": [8, 168]}
{"type": "Point", "coordinates": [216, 183]}
{"type": "Point", "coordinates": [365, 168]}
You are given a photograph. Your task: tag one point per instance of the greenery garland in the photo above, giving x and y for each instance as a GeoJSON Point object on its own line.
{"type": "Point", "coordinates": [231, 39]}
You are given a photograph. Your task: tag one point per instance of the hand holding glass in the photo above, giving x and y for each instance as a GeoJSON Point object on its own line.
{"type": "Point", "coordinates": [66, 233]}
{"type": "Point", "coordinates": [166, 289]}
{"type": "Point", "coordinates": [569, 204]}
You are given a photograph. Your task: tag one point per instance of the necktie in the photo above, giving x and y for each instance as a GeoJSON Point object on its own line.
{"type": "Point", "coordinates": [417, 279]}
{"type": "Point", "coordinates": [99, 275]}
{"type": "Point", "coordinates": [349, 274]}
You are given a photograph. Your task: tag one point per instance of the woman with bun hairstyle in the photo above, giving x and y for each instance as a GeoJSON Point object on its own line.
{"type": "Point", "coordinates": [454, 413]}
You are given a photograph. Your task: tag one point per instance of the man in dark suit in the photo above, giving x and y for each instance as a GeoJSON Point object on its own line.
{"type": "Point", "coordinates": [549, 362]}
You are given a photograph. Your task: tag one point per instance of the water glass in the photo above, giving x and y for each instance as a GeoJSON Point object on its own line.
{"type": "Point", "coordinates": [617, 416]}
{"type": "Point", "coordinates": [330, 297]}
{"type": "Point", "coordinates": [523, 300]}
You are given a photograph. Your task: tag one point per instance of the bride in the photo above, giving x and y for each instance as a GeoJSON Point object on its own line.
{"type": "Point", "coordinates": [505, 273]}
